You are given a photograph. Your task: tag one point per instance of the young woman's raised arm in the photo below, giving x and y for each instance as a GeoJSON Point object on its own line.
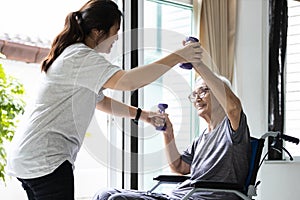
{"type": "Point", "coordinates": [141, 76]}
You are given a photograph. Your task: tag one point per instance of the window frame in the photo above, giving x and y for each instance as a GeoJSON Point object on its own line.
{"type": "Point", "coordinates": [292, 4]}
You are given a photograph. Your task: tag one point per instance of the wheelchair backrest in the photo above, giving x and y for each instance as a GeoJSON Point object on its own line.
{"type": "Point", "coordinates": [257, 146]}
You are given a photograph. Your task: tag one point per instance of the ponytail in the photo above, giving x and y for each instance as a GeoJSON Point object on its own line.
{"type": "Point", "coordinates": [99, 14]}
{"type": "Point", "coordinates": [72, 33]}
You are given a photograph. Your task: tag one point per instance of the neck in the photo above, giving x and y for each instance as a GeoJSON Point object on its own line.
{"type": "Point", "coordinates": [90, 42]}
{"type": "Point", "coordinates": [215, 118]}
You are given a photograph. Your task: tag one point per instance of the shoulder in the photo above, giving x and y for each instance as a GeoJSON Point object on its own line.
{"type": "Point", "coordinates": [242, 130]}
{"type": "Point", "coordinates": [80, 50]}
{"type": "Point", "coordinates": [81, 54]}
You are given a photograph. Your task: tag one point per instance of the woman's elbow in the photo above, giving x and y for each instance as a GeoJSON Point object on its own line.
{"type": "Point", "coordinates": [180, 168]}
{"type": "Point", "coordinates": [176, 170]}
{"type": "Point", "coordinates": [129, 85]}
{"type": "Point", "coordinates": [123, 81]}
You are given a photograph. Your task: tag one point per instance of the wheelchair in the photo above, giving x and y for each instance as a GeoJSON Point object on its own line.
{"type": "Point", "coordinates": [249, 189]}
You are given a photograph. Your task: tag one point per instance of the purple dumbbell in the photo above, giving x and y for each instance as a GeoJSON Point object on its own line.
{"type": "Point", "coordinates": [188, 65]}
{"type": "Point", "coordinates": [162, 107]}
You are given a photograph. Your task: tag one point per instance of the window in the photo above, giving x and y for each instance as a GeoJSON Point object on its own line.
{"type": "Point", "coordinates": [292, 102]}
{"type": "Point", "coordinates": [166, 24]}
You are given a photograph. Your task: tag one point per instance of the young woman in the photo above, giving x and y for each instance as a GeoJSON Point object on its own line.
{"type": "Point", "coordinates": [44, 150]}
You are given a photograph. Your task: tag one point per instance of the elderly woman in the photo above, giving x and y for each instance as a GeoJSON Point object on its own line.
{"type": "Point", "coordinates": [221, 152]}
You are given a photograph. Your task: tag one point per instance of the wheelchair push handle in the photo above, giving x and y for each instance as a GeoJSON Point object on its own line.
{"type": "Point", "coordinates": [278, 135]}
{"type": "Point", "coordinates": [290, 139]}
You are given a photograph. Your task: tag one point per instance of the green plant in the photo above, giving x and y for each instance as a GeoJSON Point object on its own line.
{"type": "Point", "coordinates": [11, 106]}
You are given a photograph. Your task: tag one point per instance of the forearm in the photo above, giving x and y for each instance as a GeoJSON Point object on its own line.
{"type": "Point", "coordinates": [174, 158]}
{"type": "Point", "coordinates": [148, 73]}
{"type": "Point", "coordinates": [225, 96]}
{"type": "Point", "coordinates": [116, 108]}
{"type": "Point", "coordinates": [141, 76]}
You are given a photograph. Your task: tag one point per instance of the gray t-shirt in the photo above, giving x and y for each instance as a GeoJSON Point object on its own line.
{"type": "Point", "coordinates": [54, 128]}
{"type": "Point", "coordinates": [221, 155]}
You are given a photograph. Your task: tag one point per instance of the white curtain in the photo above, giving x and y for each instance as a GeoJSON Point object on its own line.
{"type": "Point", "coordinates": [215, 22]}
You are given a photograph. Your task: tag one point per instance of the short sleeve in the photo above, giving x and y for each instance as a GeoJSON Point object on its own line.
{"type": "Point", "coordinates": [188, 154]}
{"type": "Point", "coordinates": [93, 70]}
{"type": "Point", "coordinates": [242, 134]}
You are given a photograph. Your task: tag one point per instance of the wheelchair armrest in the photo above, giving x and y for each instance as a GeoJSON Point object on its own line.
{"type": "Point", "coordinates": [216, 185]}
{"type": "Point", "coordinates": [171, 178]}
{"type": "Point", "coordinates": [168, 179]}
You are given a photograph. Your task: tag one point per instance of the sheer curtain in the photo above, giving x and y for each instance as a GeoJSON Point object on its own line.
{"type": "Point", "coordinates": [215, 22]}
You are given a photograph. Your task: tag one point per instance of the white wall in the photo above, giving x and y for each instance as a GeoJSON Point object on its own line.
{"type": "Point", "coordinates": [279, 180]}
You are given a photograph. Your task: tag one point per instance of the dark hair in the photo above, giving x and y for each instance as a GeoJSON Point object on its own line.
{"type": "Point", "coordinates": [99, 14]}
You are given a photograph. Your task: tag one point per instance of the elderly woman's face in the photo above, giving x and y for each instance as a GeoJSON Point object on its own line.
{"type": "Point", "coordinates": [202, 98]}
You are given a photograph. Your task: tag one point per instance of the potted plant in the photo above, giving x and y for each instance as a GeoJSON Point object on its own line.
{"type": "Point", "coordinates": [11, 106]}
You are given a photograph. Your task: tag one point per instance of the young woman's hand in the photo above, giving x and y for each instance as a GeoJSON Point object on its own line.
{"type": "Point", "coordinates": [191, 53]}
{"type": "Point", "coordinates": [156, 119]}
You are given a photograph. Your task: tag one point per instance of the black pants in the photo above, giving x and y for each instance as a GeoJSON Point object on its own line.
{"type": "Point", "coordinates": [58, 185]}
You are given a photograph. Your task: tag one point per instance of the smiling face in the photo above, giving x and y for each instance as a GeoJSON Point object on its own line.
{"type": "Point", "coordinates": [202, 100]}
